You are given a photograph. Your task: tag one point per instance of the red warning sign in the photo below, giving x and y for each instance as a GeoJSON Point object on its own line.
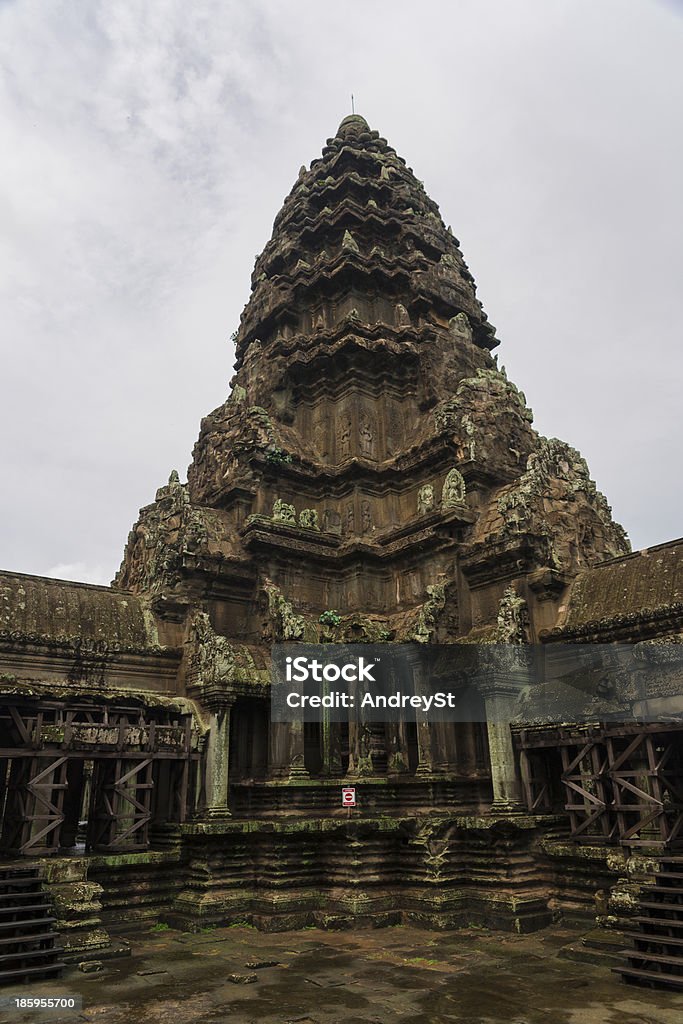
{"type": "Point", "coordinates": [348, 796]}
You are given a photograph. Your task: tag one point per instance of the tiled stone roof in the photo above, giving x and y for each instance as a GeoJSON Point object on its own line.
{"type": "Point", "coordinates": [36, 605]}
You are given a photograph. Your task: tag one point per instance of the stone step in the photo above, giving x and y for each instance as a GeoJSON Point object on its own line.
{"type": "Point", "coordinates": [654, 978]}
{"type": "Point", "coordinates": [22, 908]}
{"type": "Point", "coordinates": [675, 908]}
{"type": "Point", "coordinates": [586, 955]}
{"type": "Point", "coordinates": [10, 897]}
{"type": "Point", "coordinates": [605, 939]}
{"type": "Point", "coordinates": [27, 937]}
{"type": "Point", "coordinates": [639, 956]}
{"type": "Point", "coordinates": [30, 954]}
{"type": "Point", "coordinates": [22, 882]}
{"type": "Point", "coordinates": [44, 970]}
{"type": "Point", "coordinates": [10, 925]}
{"type": "Point", "coordinates": [659, 922]}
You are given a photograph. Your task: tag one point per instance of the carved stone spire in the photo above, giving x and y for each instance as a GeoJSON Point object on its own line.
{"type": "Point", "coordinates": [370, 449]}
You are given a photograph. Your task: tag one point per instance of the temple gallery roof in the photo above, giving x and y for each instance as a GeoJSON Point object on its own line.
{"type": "Point", "coordinates": [646, 584]}
{"type": "Point", "coordinates": [44, 607]}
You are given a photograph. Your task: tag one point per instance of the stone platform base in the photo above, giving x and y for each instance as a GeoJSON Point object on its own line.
{"type": "Point", "coordinates": [440, 871]}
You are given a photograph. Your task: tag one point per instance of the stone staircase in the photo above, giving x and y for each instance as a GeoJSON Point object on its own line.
{"type": "Point", "coordinates": [28, 941]}
{"type": "Point", "coordinates": [657, 956]}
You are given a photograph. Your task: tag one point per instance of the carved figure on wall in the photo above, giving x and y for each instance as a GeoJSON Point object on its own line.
{"type": "Point", "coordinates": [513, 618]}
{"type": "Point", "coordinates": [425, 499]}
{"type": "Point", "coordinates": [345, 437]}
{"type": "Point", "coordinates": [285, 623]}
{"type": "Point", "coordinates": [284, 513]}
{"type": "Point", "coordinates": [367, 438]}
{"type": "Point", "coordinates": [453, 492]}
{"type": "Point", "coordinates": [459, 327]}
{"type": "Point", "coordinates": [332, 522]}
{"type": "Point", "coordinates": [350, 519]}
{"type": "Point", "coordinates": [308, 518]}
{"type": "Point", "coordinates": [468, 427]}
{"type": "Point", "coordinates": [366, 516]}
{"type": "Point", "coordinates": [402, 317]}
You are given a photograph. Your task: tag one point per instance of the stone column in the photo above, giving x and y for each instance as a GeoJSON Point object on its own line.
{"type": "Point", "coordinates": [217, 760]}
{"type": "Point", "coordinates": [499, 693]}
{"type": "Point", "coordinates": [425, 757]}
{"type": "Point", "coordinates": [397, 749]}
{"type": "Point", "coordinates": [286, 751]}
{"type": "Point", "coordinates": [444, 747]}
{"type": "Point", "coordinates": [466, 744]}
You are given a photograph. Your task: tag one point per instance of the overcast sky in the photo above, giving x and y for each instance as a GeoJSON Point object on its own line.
{"type": "Point", "coordinates": [146, 148]}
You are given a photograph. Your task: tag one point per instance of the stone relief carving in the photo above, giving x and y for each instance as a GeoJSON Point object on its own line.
{"type": "Point", "coordinates": [332, 522]}
{"type": "Point", "coordinates": [344, 437]}
{"type": "Point", "coordinates": [350, 519]}
{"type": "Point", "coordinates": [285, 623]}
{"type": "Point", "coordinates": [401, 315]}
{"type": "Point", "coordinates": [366, 437]}
{"type": "Point", "coordinates": [453, 492]}
{"type": "Point", "coordinates": [284, 513]}
{"type": "Point", "coordinates": [513, 618]}
{"type": "Point", "coordinates": [366, 516]}
{"type": "Point", "coordinates": [308, 518]}
{"type": "Point", "coordinates": [429, 613]}
{"type": "Point", "coordinates": [459, 327]}
{"type": "Point", "coordinates": [214, 663]}
{"type": "Point", "coordinates": [425, 499]}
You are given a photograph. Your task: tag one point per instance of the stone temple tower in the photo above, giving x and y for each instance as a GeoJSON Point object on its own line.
{"type": "Point", "coordinates": [372, 476]}
{"type": "Point", "coordinates": [371, 458]}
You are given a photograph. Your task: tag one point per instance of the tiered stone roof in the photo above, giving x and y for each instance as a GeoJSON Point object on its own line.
{"type": "Point", "coordinates": [371, 456]}
{"type": "Point", "coordinates": [359, 216]}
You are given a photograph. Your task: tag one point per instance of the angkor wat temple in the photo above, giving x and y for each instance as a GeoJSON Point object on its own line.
{"type": "Point", "coordinates": [372, 477]}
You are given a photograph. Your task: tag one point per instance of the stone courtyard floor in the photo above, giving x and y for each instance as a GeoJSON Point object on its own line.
{"type": "Point", "coordinates": [361, 977]}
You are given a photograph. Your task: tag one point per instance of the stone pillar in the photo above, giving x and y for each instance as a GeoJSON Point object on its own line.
{"type": "Point", "coordinates": [360, 747]}
{"type": "Point", "coordinates": [425, 757]}
{"type": "Point", "coordinates": [397, 749]}
{"type": "Point", "coordinates": [330, 736]}
{"type": "Point", "coordinates": [217, 760]}
{"type": "Point", "coordinates": [466, 744]}
{"type": "Point", "coordinates": [499, 693]}
{"type": "Point", "coordinates": [286, 751]}
{"type": "Point", "coordinates": [444, 747]}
